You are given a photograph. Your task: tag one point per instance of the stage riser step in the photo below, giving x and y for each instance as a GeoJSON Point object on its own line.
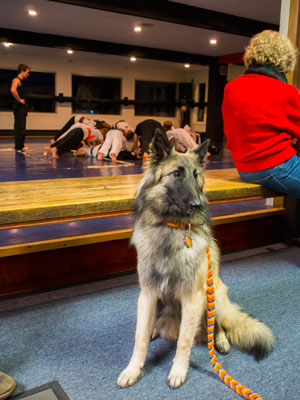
{"type": "Point", "coordinates": [62, 266]}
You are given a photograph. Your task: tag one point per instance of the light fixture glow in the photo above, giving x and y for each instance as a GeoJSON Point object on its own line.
{"type": "Point", "coordinates": [6, 44]}
{"type": "Point", "coordinates": [213, 41]}
{"type": "Point", "coordinates": [186, 65]}
{"type": "Point", "coordinates": [138, 28]}
{"type": "Point", "coordinates": [132, 59]}
{"type": "Point", "coordinates": [70, 51]}
{"type": "Point", "coordinates": [32, 13]}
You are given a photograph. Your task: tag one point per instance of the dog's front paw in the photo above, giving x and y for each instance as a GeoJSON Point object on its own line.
{"type": "Point", "coordinates": [222, 345]}
{"type": "Point", "coordinates": [176, 377]}
{"type": "Point", "coordinates": [128, 377]}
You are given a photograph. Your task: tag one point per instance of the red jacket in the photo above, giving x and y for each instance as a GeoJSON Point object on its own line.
{"type": "Point", "coordinates": [261, 114]}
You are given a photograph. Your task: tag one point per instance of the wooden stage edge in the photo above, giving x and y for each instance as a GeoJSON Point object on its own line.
{"type": "Point", "coordinates": [82, 240]}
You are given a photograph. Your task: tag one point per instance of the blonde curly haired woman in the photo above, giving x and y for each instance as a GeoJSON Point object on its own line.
{"type": "Point", "coordinates": [261, 115]}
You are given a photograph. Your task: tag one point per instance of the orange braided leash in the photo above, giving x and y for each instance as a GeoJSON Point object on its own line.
{"type": "Point", "coordinates": [223, 375]}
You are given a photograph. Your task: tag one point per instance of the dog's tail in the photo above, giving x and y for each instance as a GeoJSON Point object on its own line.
{"type": "Point", "coordinates": [247, 333]}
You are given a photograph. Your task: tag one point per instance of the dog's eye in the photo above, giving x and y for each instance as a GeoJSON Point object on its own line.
{"type": "Point", "coordinates": [177, 173]}
{"type": "Point", "coordinates": [195, 174]}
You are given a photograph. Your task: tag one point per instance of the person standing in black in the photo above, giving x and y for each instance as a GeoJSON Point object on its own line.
{"type": "Point", "coordinates": [145, 131]}
{"type": "Point", "coordinates": [20, 107]}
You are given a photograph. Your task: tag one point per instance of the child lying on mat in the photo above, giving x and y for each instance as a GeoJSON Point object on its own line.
{"type": "Point", "coordinates": [72, 138]}
{"type": "Point", "coordinates": [75, 120]}
{"type": "Point", "coordinates": [181, 138]}
{"type": "Point", "coordinates": [118, 143]}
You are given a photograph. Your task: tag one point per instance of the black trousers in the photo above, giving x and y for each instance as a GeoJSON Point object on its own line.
{"type": "Point", "coordinates": [69, 142]}
{"type": "Point", "coordinates": [20, 113]}
{"type": "Point", "coordinates": [145, 130]}
{"type": "Point", "coordinates": [64, 129]}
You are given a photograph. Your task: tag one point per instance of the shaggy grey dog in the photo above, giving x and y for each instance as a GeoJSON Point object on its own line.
{"type": "Point", "coordinates": [171, 233]}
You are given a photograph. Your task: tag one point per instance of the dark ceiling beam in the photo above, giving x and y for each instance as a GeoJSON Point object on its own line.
{"type": "Point", "coordinates": [178, 13]}
{"type": "Point", "coordinates": [97, 46]}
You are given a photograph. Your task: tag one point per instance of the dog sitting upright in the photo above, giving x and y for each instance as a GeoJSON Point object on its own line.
{"type": "Point", "coordinates": [171, 232]}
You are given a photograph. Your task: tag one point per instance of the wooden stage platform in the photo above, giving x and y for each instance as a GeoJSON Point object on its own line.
{"type": "Point", "coordinates": [42, 200]}
{"type": "Point", "coordinates": [28, 264]}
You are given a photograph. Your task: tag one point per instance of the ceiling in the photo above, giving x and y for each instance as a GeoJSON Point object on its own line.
{"type": "Point", "coordinates": [177, 31]}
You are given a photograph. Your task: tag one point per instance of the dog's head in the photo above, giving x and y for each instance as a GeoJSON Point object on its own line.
{"type": "Point", "coordinates": [173, 184]}
{"type": "Point", "coordinates": [161, 148]}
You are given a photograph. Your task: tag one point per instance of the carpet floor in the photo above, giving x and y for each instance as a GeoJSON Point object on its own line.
{"type": "Point", "coordinates": [83, 337]}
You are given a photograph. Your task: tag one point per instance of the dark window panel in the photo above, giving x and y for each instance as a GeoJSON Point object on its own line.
{"type": "Point", "coordinates": [6, 99]}
{"type": "Point", "coordinates": [86, 87]}
{"type": "Point", "coordinates": [155, 93]}
{"type": "Point", "coordinates": [38, 83]}
{"type": "Point", "coordinates": [201, 110]}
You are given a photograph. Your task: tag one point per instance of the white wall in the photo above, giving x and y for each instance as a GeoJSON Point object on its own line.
{"type": "Point", "coordinates": [55, 60]}
{"type": "Point", "coordinates": [284, 17]}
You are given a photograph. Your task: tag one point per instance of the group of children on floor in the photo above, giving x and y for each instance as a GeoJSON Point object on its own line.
{"type": "Point", "coordinates": [95, 138]}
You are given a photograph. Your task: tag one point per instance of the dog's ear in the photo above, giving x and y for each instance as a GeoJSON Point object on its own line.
{"type": "Point", "coordinates": [160, 146]}
{"type": "Point", "coordinates": [201, 151]}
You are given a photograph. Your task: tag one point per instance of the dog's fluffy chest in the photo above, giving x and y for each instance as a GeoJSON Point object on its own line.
{"type": "Point", "coordinates": [165, 261]}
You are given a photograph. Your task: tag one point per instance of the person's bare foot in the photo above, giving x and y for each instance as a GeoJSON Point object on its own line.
{"type": "Point", "coordinates": [54, 152]}
{"type": "Point", "coordinates": [207, 161]}
{"type": "Point", "coordinates": [46, 150]}
{"type": "Point", "coordinates": [113, 157]}
{"type": "Point", "coordinates": [99, 156]}
{"type": "Point", "coordinates": [79, 153]}
{"type": "Point", "coordinates": [145, 158]}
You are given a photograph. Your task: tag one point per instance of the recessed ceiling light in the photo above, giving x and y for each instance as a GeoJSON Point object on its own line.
{"type": "Point", "coordinates": [32, 13]}
{"type": "Point", "coordinates": [6, 44]}
{"type": "Point", "coordinates": [132, 59]}
{"type": "Point", "coordinates": [186, 65]}
{"type": "Point", "coordinates": [213, 41]}
{"type": "Point", "coordinates": [137, 28]}
{"type": "Point", "coordinates": [70, 51]}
